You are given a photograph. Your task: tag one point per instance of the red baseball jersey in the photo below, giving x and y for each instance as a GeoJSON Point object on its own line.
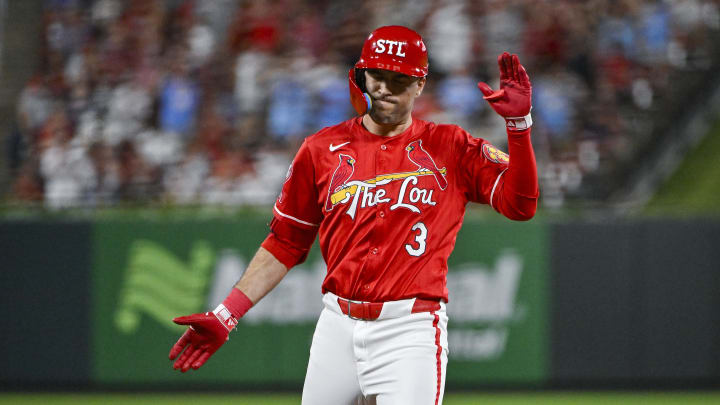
{"type": "Point", "coordinates": [388, 209]}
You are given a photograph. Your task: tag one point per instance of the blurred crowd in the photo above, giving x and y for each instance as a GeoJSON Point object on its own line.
{"type": "Point", "coordinates": [205, 102]}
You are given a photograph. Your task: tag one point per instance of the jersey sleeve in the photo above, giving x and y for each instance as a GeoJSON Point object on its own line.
{"type": "Point", "coordinates": [298, 201]}
{"type": "Point", "coordinates": [516, 194]}
{"type": "Point", "coordinates": [297, 213]}
{"type": "Point", "coordinates": [480, 167]}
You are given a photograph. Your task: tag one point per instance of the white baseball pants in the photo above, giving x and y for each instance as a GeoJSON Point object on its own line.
{"type": "Point", "coordinates": [398, 359]}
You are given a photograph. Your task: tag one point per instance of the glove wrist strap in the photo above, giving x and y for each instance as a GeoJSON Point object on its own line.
{"type": "Point", "coordinates": [225, 317]}
{"type": "Point", "coordinates": [233, 308]}
{"type": "Point", "coordinates": [518, 123]}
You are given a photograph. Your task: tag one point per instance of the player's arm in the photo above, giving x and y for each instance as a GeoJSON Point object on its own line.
{"type": "Point", "coordinates": [516, 190]}
{"type": "Point", "coordinates": [287, 245]}
{"type": "Point", "coordinates": [262, 275]}
{"type": "Point", "coordinates": [208, 331]}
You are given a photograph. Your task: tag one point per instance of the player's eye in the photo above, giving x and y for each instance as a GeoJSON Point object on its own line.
{"type": "Point", "coordinates": [375, 74]}
{"type": "Point", "coordinates": [402, 80]}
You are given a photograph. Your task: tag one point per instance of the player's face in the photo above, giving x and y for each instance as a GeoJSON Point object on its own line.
{"type": "Point", "coordinates": [393, 94]}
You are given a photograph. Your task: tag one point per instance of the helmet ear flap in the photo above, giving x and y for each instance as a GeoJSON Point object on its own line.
{"type": "Point", "coordinates": [359, 99]}
{"type": "Point", "coordinates": [360, 79]}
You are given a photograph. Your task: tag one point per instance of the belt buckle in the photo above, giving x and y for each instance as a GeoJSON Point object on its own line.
{"type": "Point", "coordinates": [349, 313]}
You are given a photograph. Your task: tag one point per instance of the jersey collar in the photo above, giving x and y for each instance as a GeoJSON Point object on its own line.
{"type": "Point", "coordinates": [408, 134]}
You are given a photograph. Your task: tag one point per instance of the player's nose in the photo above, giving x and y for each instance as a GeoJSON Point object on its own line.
{"type": "Point", "coordinates": [382, 89]}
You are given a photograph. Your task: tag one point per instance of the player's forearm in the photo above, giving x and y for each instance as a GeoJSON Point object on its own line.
{"type": "Point", "coordinates": [522, 169]}
{"type": "Point", "coordinates": [519, 188]}
{"type": "Point", "coordinates": [262, 275]}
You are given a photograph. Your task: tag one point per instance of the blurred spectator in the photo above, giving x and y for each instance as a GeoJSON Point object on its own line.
{"type": "Point", "coordinates": [459, 96]}
{"type": "Point", "coordinates": [183, 182]}
{"type": "Point", "coordinates": [136, 179]}
{"type": "Point", "coordinates": [257, 25]}
{"type": "Point", "coordinates": [104, 182]}
{"type": "Point", "coordinates": [251, 81]}
{"type": "Point", "coordinates": [615, 33]}
{"type": "Point", "coordinates": [28, 185]}
{"type": "Point", "coordinates": [448, 37]}
{"type": "Point", "coordinates": [327, 82]}
{"type": "Point", "coordinates": [129, 106]}
{"type": "Point", "coordinates": [222, 187]}
{"type": "Point", "coordinates": [502, 26]}
{"type": "Point", "coordinates": [179, 98]}
{"type": "Point", "coordinates": [34, 106]}
{"type": "Point", "coordinates": [654, 31]}
{"type": "Point", "coordinates": [556, 94]}
{"type": "Point", "coordinates": [289, 102]}
{"type": "Point", "coordinates": [64, 166]}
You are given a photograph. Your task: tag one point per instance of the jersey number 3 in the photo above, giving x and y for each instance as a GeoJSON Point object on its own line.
{"type": "Point", "coordinates": [419, 239]}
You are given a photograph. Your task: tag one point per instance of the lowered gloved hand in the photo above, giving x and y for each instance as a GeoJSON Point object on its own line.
{"type": "Point", "coordinates": [513, 101]}
{"type": "Point", "coordinates": [207, 331]}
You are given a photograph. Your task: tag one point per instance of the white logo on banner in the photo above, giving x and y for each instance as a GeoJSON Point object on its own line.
{"type": "Point", "coordinates": [488, 297]}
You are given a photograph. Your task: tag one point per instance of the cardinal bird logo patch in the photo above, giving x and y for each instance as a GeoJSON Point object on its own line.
{"type": "Point", "coordinates": [494, 154]}
{"type": "Point", "coordinates": [424, 161]}
{"type": "Point", "coordinates": [342, 174]}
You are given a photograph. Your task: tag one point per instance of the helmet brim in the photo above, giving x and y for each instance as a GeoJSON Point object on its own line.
{"type": "Point", "coordinates": [392, 65]}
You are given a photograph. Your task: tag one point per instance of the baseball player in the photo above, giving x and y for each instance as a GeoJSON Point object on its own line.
{"type": "Point", "coordinates": [386, 193]}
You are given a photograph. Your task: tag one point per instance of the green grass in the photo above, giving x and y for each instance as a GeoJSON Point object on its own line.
{"type": "Point", "coordinates": [541, 398]}
{"type": "Point", "coordinates": [694, 189]}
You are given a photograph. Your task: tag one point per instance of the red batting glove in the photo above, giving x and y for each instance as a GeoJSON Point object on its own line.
{"type": "Point", "coordinates": [513, 100]}
{"type": "Point", "coordinates": [204, 336]}
{"type": "Point", "coordinates": [208, 331]}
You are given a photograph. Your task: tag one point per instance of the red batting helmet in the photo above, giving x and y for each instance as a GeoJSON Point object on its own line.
{"type": "Point", "coordinates": [394, 48]}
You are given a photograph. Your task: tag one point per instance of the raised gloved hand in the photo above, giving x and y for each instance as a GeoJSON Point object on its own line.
{"type": "Point", "coordinates": [207, 331]}
{"type": "Point", "coordinates": [513, 100]}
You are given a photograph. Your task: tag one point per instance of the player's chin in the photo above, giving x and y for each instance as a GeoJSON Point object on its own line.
{"type": "Point", "coordinates": [383, 116]}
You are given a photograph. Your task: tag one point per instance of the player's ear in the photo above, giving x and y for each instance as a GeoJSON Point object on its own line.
{"type": "Point", "coordinates": [421, 85]}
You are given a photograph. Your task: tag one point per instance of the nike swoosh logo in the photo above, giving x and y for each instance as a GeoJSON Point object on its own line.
{"type": "Point", "coordinates": [333, 148]}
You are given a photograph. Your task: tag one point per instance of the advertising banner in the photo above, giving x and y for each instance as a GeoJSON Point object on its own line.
{"type": "Point", "coordinates": [498, 310]}
{"type": "Point", "coordinates": [147, 272]}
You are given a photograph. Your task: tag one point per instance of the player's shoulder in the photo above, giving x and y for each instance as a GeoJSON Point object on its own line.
{"type": "Point", "coordinates": [431, 126]}
{"type": "Point", "coordinates": [330, 134]}
{"type": "Point", "coordinates": [443, 130]}
{"type": "Point", "coordinates": [319, 140]}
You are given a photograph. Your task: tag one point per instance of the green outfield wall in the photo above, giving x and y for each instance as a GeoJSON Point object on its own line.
{"type": "Point", "coordinates": [146, 273]}
{"type": "Point", "coordinates": [90, 304]}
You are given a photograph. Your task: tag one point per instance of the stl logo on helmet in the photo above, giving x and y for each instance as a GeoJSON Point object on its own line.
{"type": "Point", "coordinates": [386, 46]}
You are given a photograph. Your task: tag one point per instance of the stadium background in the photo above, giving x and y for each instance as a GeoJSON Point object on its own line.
{"type": "Point", "coordinates": [143, 142]}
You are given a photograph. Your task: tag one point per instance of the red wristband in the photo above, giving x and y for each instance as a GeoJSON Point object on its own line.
{"type": "Point", "coordinates": [237, 303]}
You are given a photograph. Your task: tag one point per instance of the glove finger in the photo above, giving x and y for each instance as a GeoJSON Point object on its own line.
{"type": "Point", "coordinates": [183, 357]}
{"type": "Point", "coordinates": [201, 360]}
{"type": "Point", "coordinates": [188, 319]}
{"type": "Point", "coordinates": [507, 62]}
{"type": "Point", "coordinates": [180, 345]}
{"type": "Point", "coordinates": [485, 88]}
{"type": "Point", "coordinates": [190, 360]}
{"type": "Point", "coordinates": [523, 76]}
{"type": "Point", "coordinates": [515, 64]}
{"type": "Point", "coordinates": [501, 66]}
{"type": "Point", "coordinates": [494, 95]}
